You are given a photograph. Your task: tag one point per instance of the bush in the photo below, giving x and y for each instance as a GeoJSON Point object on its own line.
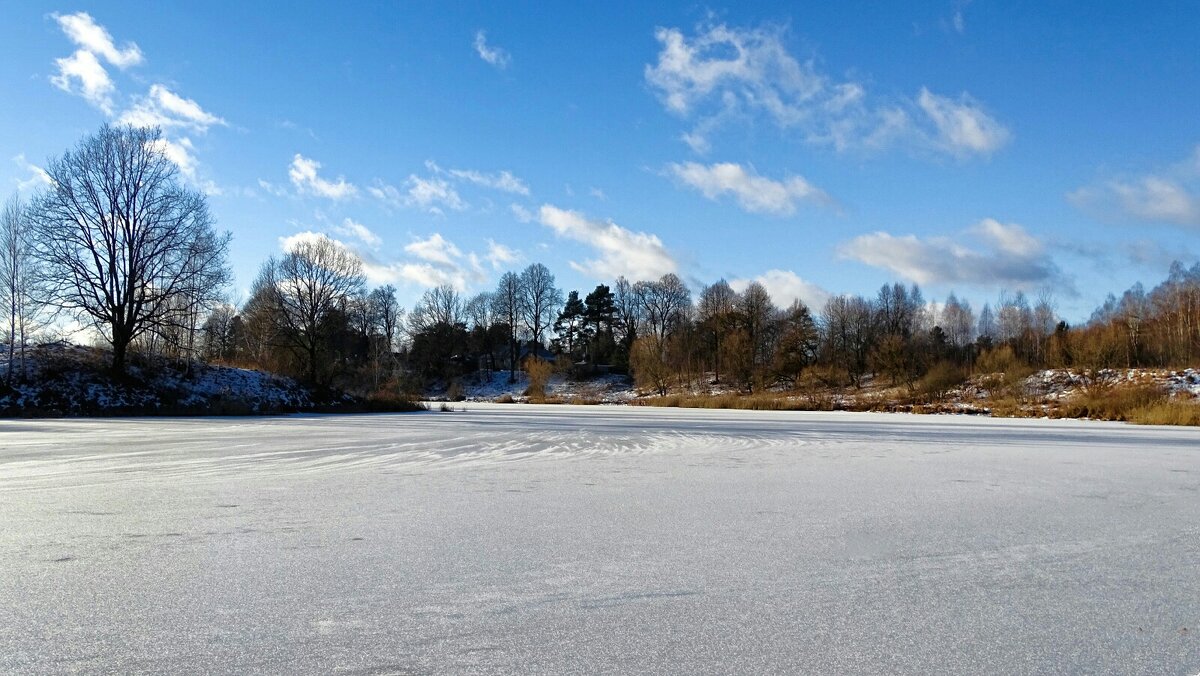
{"type": "Point", "coordinates": [943, 377]}
{"type": "Point", "coordinates": [505, 399]}
{"type": "Point", "coordinates": [539, 371]}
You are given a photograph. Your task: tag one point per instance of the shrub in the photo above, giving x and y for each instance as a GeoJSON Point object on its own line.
{"type": "Point", "coordinates": [943, 377]}
{"type": "Point", "coordinates": [539, 371]}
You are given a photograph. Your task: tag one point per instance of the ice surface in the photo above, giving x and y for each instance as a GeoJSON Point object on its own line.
{"type": "Point", "coordinates": [525, 539]}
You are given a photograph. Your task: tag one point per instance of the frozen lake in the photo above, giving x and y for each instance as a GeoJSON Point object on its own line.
{"type": "Point", "coordinates": [525, 539]}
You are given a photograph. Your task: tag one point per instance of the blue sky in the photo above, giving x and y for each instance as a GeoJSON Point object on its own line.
{"type": "Point", "coordinates": [971, 147]}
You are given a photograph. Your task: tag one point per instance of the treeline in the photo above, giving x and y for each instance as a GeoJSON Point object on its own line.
{"type": "Point", "coordinates": [666, 337]}
{"type": "Point", "coordinates": [116, 243]}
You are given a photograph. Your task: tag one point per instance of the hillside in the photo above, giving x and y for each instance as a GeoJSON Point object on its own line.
{"type": "Point", "coordinates": [62, 379]}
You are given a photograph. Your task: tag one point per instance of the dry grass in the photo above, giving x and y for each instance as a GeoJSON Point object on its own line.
{"type": "Point", "coordinates": [1167, 413]}
{"type": "Point", "coordinates": [1111, 402]}
{"type": "Point", "coordinates": [746, 402]}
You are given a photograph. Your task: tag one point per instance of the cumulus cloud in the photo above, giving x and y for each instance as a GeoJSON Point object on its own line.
{"type": "Point", "coordinates": [635, 255]}
{"type": "Point", "coordinates": [722, 74]}
{"type": "Point", "coordinates": [83, 30]}
{"type": "Point", "coordinates": [431, 194]}
{"type": "Point", "coordinates": [181, 153]}
{"type": "Point", "coordinates": [82, 74]}
{"type": "Point", "coordinates": [439, 261]}
{"type": "Point", "coordinates": [785, 288]}
{"type": "Point", "coordinates": [360, 232]}
{"type": "Point", "coordinates": [290, 242]}
{"type": "Point", "coordinates": [1168, 196]}
{"type": "Point", "coordinates": [431, 261]}
{"type": "Point", "coordinates": [1000, 255]}
{"type": "Point", "coordinates": [494, 55]}
{"type": "Point", "coordinates": [753, 192]}
{"type": "Point", "coordinates": [434, 249]}
{"type": "Point", "coordinates": [500, 255]}
{"type": "Point", "coordinates": [303, 174]}
{"type": "Point", "coordinates": [962, 127]}
{"type": "Point", "coordinates": [163, 108]}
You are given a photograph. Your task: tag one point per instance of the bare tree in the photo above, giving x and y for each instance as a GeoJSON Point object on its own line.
{"type": "Point", "coordinates": [311, 281]}
{"type": "Point", "coordinates": [508, 305]}
{"type": "Point", "coordinates": [664, 303]}
{"type": "Point", "coordinates": [217, 333]}
{"type": "Point", "coordinates": [18, 280]}
{"type": "Point", "coordinates": [957, 321]}
{"type": "Point", "coordinates": [848, 327]}
{"type": "Point", "coordinates": [628, 310]}
{"type": "Point", "coordinates": [123, 244]}
{"type": "Point", "coordinates": [716, 308]}
{"type": "Point", "coordinates": [478, 310]}
{"type": "Point", "coordinates": [759, 316]}
{"type": "Point", "coordinates": [439, 305]}
{"type": "Point", "coordinates": [542, 299]}
{"type": "Point", "coordinates": [387, 313]}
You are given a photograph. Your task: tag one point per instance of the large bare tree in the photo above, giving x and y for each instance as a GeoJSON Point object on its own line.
{"type": "Point", "coordinates": [508, 306]}
{"type": "Point", "coordinates": [123, 244]}
{"type": "Point", "coordinates": [542, 300]}
{"type": "Point", "coordinates": [664, 304]}
{"type": "Point", "coordinates": [311, 281]}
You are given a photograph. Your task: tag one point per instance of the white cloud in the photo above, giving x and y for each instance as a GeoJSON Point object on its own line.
{"type": "Point", "coordinates": [494, 55]}
{"type": "Point", "coordinates": [438, 261]}
{"type": "Point", "coordinates": [82, 73]}
{"type": "Point", "coordinates": [521, 213]}
{"type": "Point", "coordinates": [360, 232]}
{"type": "Point", "coordinates": [502, 180]}
{"type": "Point", "coordinates": [499, 255]}
{"type": "Point", "coordinates": [1008, 238]}
{"type": "Point", "coordinates": [181, 154]}
{"type": "Point", "coordinates": [635, 255]}
{"type": "Point", "coordinates": [962, 127]}
{"type": "Point", "coordinates": [1169, 196]}
{"type": "Point", "coordinates": [94, 38]}
{"type": "Point", "coordinates": [754, 193]}
{"type": "Point", "coordinates": [1001, 255]}
{"type": "Point", "coordinates": [272, 189]}
{"type": "Point", "coordinates": [94, 84]}
{"type": "Point", "coordinates": [597, 193]}
{"type": "Point", "coordinates": [785, 288]}
{"type": "Point", "coordinates": [38, 178]}
{"type": "Point", "coordinates": [303, 174]}
{"type": "Point", "coordinates": [163, 108]}
{"type": "Point", "coordinates": [388, 194]}
{"type": "Point", "coordinates": [434, 249]}
{"type": "Point", "coordinates": [721, 75]}
{"type": "Point", "coordinates": [431, 194]}
{"type": "Point", "coordinates": [376, 271]}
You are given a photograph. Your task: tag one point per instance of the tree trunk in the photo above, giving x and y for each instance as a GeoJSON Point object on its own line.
{"type": "Point", "coordinates": [120, 346]}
